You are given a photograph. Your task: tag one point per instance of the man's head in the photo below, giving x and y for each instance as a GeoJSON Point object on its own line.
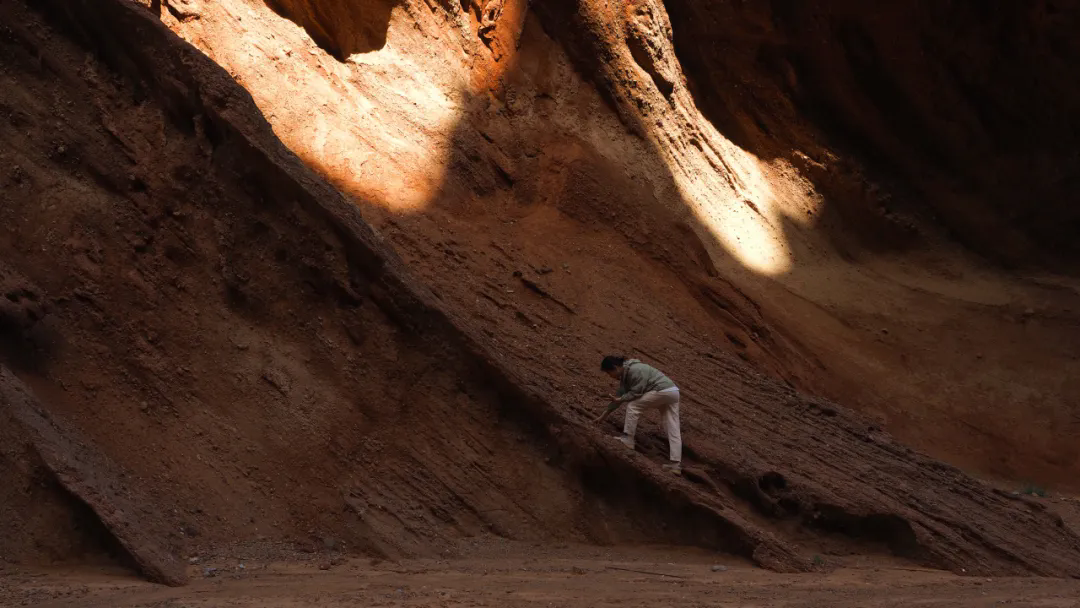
{"type": "Point", "coordinates": [612, 365]}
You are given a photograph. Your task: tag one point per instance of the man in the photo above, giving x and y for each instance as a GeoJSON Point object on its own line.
{"type": "Point", "coordinates": [643, 387]}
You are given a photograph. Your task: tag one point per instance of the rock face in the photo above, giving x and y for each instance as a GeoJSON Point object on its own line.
{"type": "Point", "coordinates": [346, 270]}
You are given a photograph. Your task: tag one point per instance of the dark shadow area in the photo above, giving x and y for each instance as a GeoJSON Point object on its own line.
{"type": "Point", "coordinates": [90, 537]}
{"type": "Point", "coordinates": [27, 349]}
{"type": "Point", "coordinates": [888, 529]}
{"type": "Point", "coordinates": [43, 523]}
{"type": "Point", "coordinates": [341, 28]}
{"type": "Point", "coordinates": [25, 342]}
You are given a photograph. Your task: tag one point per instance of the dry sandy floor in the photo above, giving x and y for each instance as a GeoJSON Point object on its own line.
{"type": "Point", "coordinates": [522, 575]}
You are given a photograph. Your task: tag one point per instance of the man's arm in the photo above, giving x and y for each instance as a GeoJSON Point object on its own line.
{"type": "Point", "coordinates": [635, 382]}
{"type": "Point", "coordinates": [614, 405]}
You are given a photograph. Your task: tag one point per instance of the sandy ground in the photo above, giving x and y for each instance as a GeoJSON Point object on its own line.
{"type": "Point", "coordinates": [523, 575]}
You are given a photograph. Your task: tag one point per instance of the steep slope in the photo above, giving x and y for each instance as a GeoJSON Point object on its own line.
{"type": "Point", "coordinates": [841, 276]}
{"type": "Point", "coordinates": [231, 333]}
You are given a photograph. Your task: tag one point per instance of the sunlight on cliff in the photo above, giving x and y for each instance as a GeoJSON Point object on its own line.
{"type": "Point", "coordinates": [376, 124]}
{"type": "Point", "coordinates": [382, 124]}
{"type": "Point", "coordinates": [749, 224]}
{"type": "Point", "coordinates": [745, 202]}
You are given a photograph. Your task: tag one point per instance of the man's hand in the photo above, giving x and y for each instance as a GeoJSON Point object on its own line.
{"type": "Point", "coordinates": [614, 405]}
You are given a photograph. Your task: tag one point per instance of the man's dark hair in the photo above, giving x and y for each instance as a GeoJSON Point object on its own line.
{"type": "Point", "coordinates": [610, 362]}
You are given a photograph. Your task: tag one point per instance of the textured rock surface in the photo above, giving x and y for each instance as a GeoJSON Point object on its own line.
{"type": "Point", "coordinates": [91, 483]}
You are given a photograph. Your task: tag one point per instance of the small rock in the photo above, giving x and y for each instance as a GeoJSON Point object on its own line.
{"type": "Point", "coordinates": [210, 572]}
{"type": "Point", "coordinates": [185, 9]}
{"type": "Point", "coordinates": [193, 560]}
{"type": "Point", "coordinates": [719, 568]}
{"type": "Point", "coordinates": [278, 379]}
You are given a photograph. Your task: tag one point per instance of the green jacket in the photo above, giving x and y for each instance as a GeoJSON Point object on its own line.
{"type": "Point", "coordinates": [639, 378]}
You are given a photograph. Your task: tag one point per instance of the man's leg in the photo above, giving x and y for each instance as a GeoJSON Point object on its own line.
{"type": "Point", "coordinates": [671, 425]}
{"type": "Point", "coordinates": [633, 414]}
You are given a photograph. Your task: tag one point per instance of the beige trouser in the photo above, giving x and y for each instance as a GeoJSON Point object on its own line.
{"type": "Point", "coordinates": [667, 401]}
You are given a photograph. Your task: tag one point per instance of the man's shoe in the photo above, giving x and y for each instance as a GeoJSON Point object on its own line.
{"type": "Point", "coordinates": [674, 467]}
{"type": "Point", "coordinates": [625, 440]}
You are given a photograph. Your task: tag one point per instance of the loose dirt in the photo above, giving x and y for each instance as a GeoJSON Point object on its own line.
{"type": "Point", "coordinates": [522, 576]}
